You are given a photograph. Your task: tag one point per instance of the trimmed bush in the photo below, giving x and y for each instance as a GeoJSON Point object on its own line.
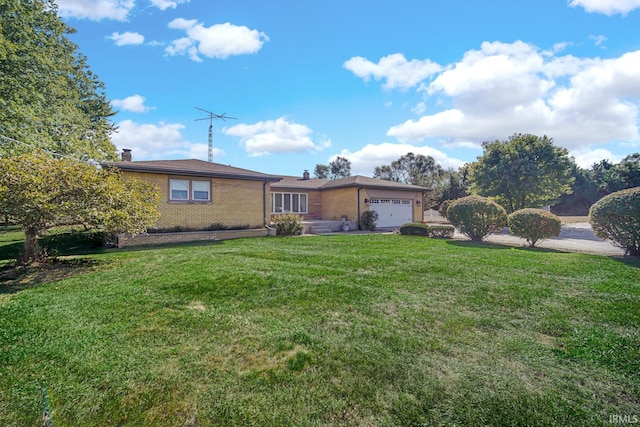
{"type": "Point", "coordinates": [616, 217]}
{"type": "Point", "coordinates": [414, 229]}
{"type": "Point", "coordinates": [442, 210]}
{"type": "Point", "coordinates": [476, 217]}
{"type": "Point", "coordinates": [442, 231]}
{"type": "Point", "coordinates": [368, 220]}
{"type": "Point", "coordinates": [287, 224]}
{"type": "Point", "coordinates": [534, 225]}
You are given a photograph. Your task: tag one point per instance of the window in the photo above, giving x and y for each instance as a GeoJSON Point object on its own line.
{"type": "Point", "coordinates": [179, 189]}
{"type": "Point", "coordinates": [200, 191]}
{"type": "Point", "coordinates": [288, 203]}
{"type": "Point", "coordinates": [184, 190]}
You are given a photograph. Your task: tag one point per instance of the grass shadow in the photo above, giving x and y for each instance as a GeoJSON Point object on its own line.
{"type": "Point", "coordinates": [497, 246]}
{"type": "Point", "coordinates": [142, 248]}
{"type": "Point", "coordinates": [631, 261]}
{"type": "Point", "coordinates": [15, 278]}
{"type": "Point", "coordinates": [625, 259]}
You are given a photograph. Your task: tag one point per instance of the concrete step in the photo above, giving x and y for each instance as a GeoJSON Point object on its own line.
{"type": "Point", "coordinates": [319, 230]}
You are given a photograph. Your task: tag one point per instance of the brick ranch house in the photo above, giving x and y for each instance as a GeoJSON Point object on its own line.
{"type": "Point", "coordinates": [196, 195]}
{"type": "Point", "coordinates": [322, 200]}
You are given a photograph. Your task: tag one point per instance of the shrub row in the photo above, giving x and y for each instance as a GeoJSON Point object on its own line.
{"type": "Point", "coordinates": [477, 217]}
{"type": "Point", "coordinates": [420, 229]}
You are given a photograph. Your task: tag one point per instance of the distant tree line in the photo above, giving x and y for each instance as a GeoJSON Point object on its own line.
{"type": "Point", "coordinates": [521, 172]}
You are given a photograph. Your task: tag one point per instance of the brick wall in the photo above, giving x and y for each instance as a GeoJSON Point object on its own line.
{"type": "Point", "coordinates": [342, 201]}
{"type": "Point", "coordinates": [192, 236]}
{"type": "Point", "coordinates": [234, 203]}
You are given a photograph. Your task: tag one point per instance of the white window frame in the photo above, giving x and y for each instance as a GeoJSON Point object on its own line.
{"type": "Point", "coordinates": [171, 190]}
{"type": "Point", "coordinates": [207, 185]}
{"type": "Point", "coordinates": [290, 200]}
{"type": "Point", "coordinates": [191, 190]}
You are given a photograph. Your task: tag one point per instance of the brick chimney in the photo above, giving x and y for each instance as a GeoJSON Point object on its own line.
{"type": "Point", "coordinates": [126, 155]}
{"type": "Point", "coordinates": [305, 175]}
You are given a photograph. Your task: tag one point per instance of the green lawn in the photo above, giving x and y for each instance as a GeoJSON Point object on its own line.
{"type": "Point", "coordinates": [345, 330]}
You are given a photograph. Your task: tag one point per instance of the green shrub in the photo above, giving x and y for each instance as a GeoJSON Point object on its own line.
{"type": "Point", "coordinates": [368, 220]}
{"type": "Point", "coordinates": [442, 231]}
{"type": "Point", "coordinates": [534, 225]}
{"type": "Point", "coordinates": [476, 217]}
{"type": "Point", "coordinates": [287, 224]}
{"type": "Point", "coordinates": [442, 210]}
{"type": "Point", "coordinates": [616, 217]}
{"type": "Point", "coordinates": [414, 229]}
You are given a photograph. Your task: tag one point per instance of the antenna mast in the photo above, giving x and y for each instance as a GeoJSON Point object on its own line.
{"type": "Point", "coordinates": [211, 116]}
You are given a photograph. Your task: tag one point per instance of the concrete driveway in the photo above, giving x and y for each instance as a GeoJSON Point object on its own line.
{"type": "Point", "coordinates": [578, 237]}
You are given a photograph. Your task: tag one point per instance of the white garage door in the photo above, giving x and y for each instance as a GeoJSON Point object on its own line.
{"type": "Point", "coordinates": [392, 212]}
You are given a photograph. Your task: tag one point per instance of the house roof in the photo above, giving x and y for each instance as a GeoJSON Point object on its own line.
{"type": "Point", "coordinates": [295, 182]}
{"type": "Point", "coordinates": [193, 167]}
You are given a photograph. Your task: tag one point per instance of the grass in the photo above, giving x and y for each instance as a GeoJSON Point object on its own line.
{"type": "Point", "coordinates": [345, 330]}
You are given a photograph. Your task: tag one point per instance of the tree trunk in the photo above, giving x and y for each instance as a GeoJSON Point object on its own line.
{"type": "Point", "coordinates": [30, 245]}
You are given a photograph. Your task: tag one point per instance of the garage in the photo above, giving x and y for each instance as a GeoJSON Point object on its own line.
{"type": "Point", "coordinates": [392, 212]}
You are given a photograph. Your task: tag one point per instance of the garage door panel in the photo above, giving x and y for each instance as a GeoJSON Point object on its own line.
{"type": "Point", "coordinates": [392, 212]}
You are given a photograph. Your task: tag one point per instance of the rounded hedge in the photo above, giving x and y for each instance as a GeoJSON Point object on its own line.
{"type": "Point", "coordinates": [616, 217]}
{"type": "Point", "coordinates": [368, 220]}
{"type": "Point", "coordinates": [287, 224]}
{"type": "Point", "coordinates": [414, 229]}
{"type": "Point", "coordinates": [534, 225]}
{"type": "Point", "coordinates": [444, 231]}
{"type": "Point", "coordinates": [476, 217]}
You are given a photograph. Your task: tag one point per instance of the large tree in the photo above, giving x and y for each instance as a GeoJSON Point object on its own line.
{"type": "Point", "coordinates": [524, 171]}
{"type": "Point", "coordinates": [339, 168]}
{"type": "Point", "coordinates": [336, 169]}
{"type": "Point", "coordinates": [321, 172]}
{"type": "Point", "coordinates": [49, 98]}
{"type": "Point", "coordinates": [38, 192]}
{"type": "Point", "coordinates": [416, 169]}
{"type": "Point", "coordinates": [584, 192]}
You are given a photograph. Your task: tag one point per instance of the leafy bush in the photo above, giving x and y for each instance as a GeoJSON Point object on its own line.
{"type": "Point", "coordinates": [442, 210]}
{"type": "Point", "coordinates": [414, 229]}
{"type": "Point", "coordinates": [442, 231]}
{"type": "Point", "coordinates": [287, 224]}
{"type": "Point", "coordinates": [534, 225]}
{"type": "Point", "coordinates": [477, 217]}
{"type": "Point", "coordinates": [368, 220]}
{"type": "Point", "coordinates": [616, 217]}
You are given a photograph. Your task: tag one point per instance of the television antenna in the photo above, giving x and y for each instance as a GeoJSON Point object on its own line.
{"type": "Point", "coordinates": [211, 116]}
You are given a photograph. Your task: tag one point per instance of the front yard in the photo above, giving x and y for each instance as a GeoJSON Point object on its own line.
{"type": "Point", "coordinates": [344, 330]}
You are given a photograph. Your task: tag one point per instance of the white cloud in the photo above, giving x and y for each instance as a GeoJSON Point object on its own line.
{"type": "Point", "coordinates": [607, 7]}
{"type": "Point", "coordinates": [598, 40]}
{"type": "Point", "coordinates": [585, 159]}
{"type": "Point", "coordinates": [134, 103]}
{"type": "Point", "coordinates": [398, 72]}
{"type": "Point", "coordinates": [503, 89]}
{"type": "Point", "coordinates": [166, 4]}
{"type": "Point", "coordinates": [365, 160]}
{"type": "Point", "coordinates": [95, 10]}
{"type": "Point", "coordinates": [275, 136]}
{"type": "Point", "coordinates": [420, 108]}
{"type": "Point", "coordinates": [158, 141]}
{"type": "Point", "coordinates": [127, 38]}
{"type": "Point", "coordinates": [217, 41]}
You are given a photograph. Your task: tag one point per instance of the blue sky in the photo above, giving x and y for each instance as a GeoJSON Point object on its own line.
{"type": "Point", "coordinates": [366, 80]}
